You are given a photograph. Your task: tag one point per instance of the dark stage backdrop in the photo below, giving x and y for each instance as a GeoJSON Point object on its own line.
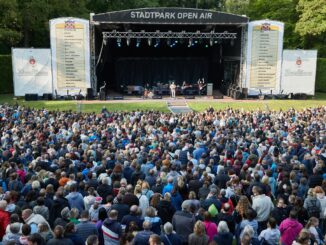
{"type": "Point", "coordinates": [139, 71]}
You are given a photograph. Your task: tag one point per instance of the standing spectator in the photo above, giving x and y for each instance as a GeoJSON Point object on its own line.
{"type": "Point", "coordinates": [165, 209]}
{"type": "Point", "coordinates": [199, 236]}
{"type": "Point", "coordinates": [210, 227]}
{"type": "Point", "coordinates": [280, 212]}
{"type": "Point", "coordinates": [36, 239]}
{"type": "Point", "coordinates": [263, 206]}
{"type": "Point", "coordinates": [169, 236]}
{"type": "Point", "coordinates": [85, 228]}
{"type": "Point", "coordinates": [290, 228]}
{"type": "Point", "coordinates": [312, 204]}
{"type": "Point", "coordinates": [271, 235]}
{"type": "Point", "coordinates": [154, 220]}
{"type": "Point", "coordinates": [75, 199]}
{"type": "Point", "coordinates": [4, 218]}
{"type": "Point", "coordinates": [111, 228]}
{"type": "Point", "coordinates": [59, 239]}
{"type": "Point", "coordinates": [183, 222]}
{"type": "Point", "coordinates": [142, 237]}
{"type": "Point", "coordinates": [92, 240]}
{"type": "Point", "coordinates": [71, 233]}
{"type": "Point", "coordinates": [33, 220]}
{"type": "Point", "coordinates": [223, 236]}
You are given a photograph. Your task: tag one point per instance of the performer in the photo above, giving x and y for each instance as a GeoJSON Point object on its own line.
{"type": "Point", "coordinates": [172, 89]}
{"type": "Point", "coordinates": [201, 86]}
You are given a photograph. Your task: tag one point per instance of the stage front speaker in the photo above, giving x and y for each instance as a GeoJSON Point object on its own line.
{"type": "Point", "coordinates": [102, 95]}
{"type": "Point", "coordinates": [90, 94]}
{"type": "Point", "coordinates": [218, 97]}
{"type": "Point", "coordinates": [118, 97]}
{"type": "Point", "coordinates": [31, 97]}
{"type": "Point", "coordinates": [245, 93]}
{"type": "Point", "coordinates": [189, 97]}
{"type": "Point", "coordinates": [157, 97]}
{"type": "Point", "coordinates": [47, 96]}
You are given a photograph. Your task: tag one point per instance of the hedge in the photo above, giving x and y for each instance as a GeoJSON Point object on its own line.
{"type": "Point", "coordinates": [6, 81]}
{"type": "Point", "coordinates": [321, 75]}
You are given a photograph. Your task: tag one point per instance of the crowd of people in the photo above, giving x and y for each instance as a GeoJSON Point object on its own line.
{"type": "Point", "coordinates": [217, 177]}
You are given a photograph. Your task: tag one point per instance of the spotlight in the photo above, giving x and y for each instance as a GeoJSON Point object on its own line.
{"type": "Point", "coordinates": [128, 41]}
{"type": "Point", "coordinates": [168, 42]}
{"type": "Point", "coordinates": [138, 42]}
{"type": "Point", "coordinates": [157, 42]}
{"type": "Point", "coordinates": [190, 42]}
{"type": "Point", "coordinates": [211, 42]}
{"type": "Point", "coordinates": [149, 41]}
{"type": "Point", "coordinates": [119, 42]}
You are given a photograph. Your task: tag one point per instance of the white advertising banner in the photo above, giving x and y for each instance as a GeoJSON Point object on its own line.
{"type": "Point", "coordinates": [70, 55]}
{"type": "Point", "coordinates": [299, 71]}
{"type": "Point", "coordinates": [31, 71]}
{"type": "Point", "coordinates": [264, 56]}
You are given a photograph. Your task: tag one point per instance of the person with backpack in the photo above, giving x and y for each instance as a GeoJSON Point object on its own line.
{"type": "Point", "coordinates": [312, 204]}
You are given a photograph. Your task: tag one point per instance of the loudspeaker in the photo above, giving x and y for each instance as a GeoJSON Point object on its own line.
{"type": "Point", "coordinates": [245, 93]}
{"type": "Point", "coordinates": [90, 94]}
{"type": "Point", "coordinates": [157, 97]}
{"type": "Point", "coordinates": [118, 97]}
{"type": "Point", "coordinates": [102, 95]}
{"type": "Point", "coordinates": [30, 97]}
{"type": "Point", "coordinates": [47, 96]}
{"type": "Point", "coordinates": [189, 97]}
{"type": "Point", "coordinates": [218, 97]}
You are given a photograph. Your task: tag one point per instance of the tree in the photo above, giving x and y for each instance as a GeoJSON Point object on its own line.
{"type": "Point", "coordinates": [280, 10]}
{"type": "Point", "coordinates": [236, 6]}
{"type": "Point", "coordinates": [10, 25]}
{"type": "Point", "coordinates": [312, 19]}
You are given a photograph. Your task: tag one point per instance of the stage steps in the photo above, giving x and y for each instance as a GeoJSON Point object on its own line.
{"type": "Point", "coordinates": [177, 106]}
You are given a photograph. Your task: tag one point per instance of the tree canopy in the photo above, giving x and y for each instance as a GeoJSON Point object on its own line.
{"type": "Point", "coordinates": [25, 23]}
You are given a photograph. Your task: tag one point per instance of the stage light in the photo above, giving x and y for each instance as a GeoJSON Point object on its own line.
{"type": "Point", "coordinates": [168, 42]}
{"type": "Point", "coordinates": [138, 42]}
{"type": "Point", "coordinates": [149, 41]}
{"type": "Point", "coordinates": [211, 42]}
{"type": "Point", "coordinates": [190, 42]}
{"type": "Point", "coordinates": [119, 42]}
{"type": "Point", "coordinates": [157, 42]}
{"type": "Point", "coordinates": [206, 46]}
{"type": "Point", "coordinates": [128, 41]}
{"type": "Point", "coordinates": [196, 41]}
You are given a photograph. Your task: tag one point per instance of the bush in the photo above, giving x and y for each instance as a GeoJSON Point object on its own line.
{"type": "Point", "coordinates": [321, 75]}
{"type": "Point", "coordinates": [6, 81]}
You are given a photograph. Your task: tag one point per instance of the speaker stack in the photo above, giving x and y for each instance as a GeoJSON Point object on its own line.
{"type": "Point", "coordinates": [90, 94]}
{"type": "Point", "coordinates": [31, 97]}
{"type": "Point", "coordinates": [47, 96]}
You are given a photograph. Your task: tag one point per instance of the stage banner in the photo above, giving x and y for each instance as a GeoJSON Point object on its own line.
{"type": "Point", "coordinates": [31, 71]}
{"type": "Point", "coordinates": [70, 55]}
{"type": "Point", "coordinates": [299, 71]}
{"type": "Point", "coordinates": [264, 56]}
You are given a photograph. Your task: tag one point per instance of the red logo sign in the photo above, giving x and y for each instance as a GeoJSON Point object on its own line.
{"type": "Point", "coordinates": [265, 27]}
{"type": "Point", "coordinates": [32, 61]}
{"type": "Point", "coordinates": [298, 61]}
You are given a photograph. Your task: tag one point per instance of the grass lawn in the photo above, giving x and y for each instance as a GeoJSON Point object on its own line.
{"type": "Point", "coordinates": [319, 100]}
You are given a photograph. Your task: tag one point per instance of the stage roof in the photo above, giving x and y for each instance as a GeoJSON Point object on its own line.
{"type": "Point", "coordinates": [168, 16]}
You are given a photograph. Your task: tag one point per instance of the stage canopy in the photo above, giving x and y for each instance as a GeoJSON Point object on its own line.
{"type": "Point", "coordinates": [161, 45]}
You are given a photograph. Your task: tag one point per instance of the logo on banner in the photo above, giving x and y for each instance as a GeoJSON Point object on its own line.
{"type": "Point", "coordinates": [298, 61]}
{"type": "Point", "coordinates": [265, 27]}
{"type": "Point", "coordinates": [70, 25]}
{"type": "Point", "coordinates": [32, 61]}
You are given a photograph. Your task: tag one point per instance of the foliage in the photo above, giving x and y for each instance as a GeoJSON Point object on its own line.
{"type": "Point", "coordinates": [10, 24]}
{"type": "Point", "coordinates": [236, 6]}
{"type": "Point", "coordinates": [280, 10]}
{"type": "Point", "coordinates": [6, 82]}
{"type": "Point", "coordinates": [321, 75]}
{"type": "Point", "coordinates": [312, 19]}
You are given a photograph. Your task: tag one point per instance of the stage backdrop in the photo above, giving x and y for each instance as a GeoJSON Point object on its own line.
{"type": "Point", "coordinates": [70, 55]}
{"type": "Point", "coordinates": [264, 56]}
{"type": "Point", "coordinates": [31, 71]}
{"type": "Point", "coordinates": [299, 71]}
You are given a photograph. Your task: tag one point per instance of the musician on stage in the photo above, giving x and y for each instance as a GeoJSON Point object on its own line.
{"type": "Point", "coordinates": [201, 86]}
{"type": "Point", "coordinates": [172, 89]}
{"type": "Point", "coordinates": [184, 87]}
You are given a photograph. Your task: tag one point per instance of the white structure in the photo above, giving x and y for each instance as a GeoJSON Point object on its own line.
{"type": "Point", "coordinates": [70, 55]}
{"type": "Point", "coordinates": [31, 71]}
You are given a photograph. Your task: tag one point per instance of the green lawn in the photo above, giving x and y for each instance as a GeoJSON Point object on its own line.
{"type": "Point", "coordinates": [319, 100]}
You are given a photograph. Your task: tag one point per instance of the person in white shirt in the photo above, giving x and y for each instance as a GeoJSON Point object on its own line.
{"type": "Point", "coordinates": [172, 88]}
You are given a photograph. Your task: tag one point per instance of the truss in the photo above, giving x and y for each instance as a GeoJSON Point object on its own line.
{"type": "Point", "coordinates": [174, 35]}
